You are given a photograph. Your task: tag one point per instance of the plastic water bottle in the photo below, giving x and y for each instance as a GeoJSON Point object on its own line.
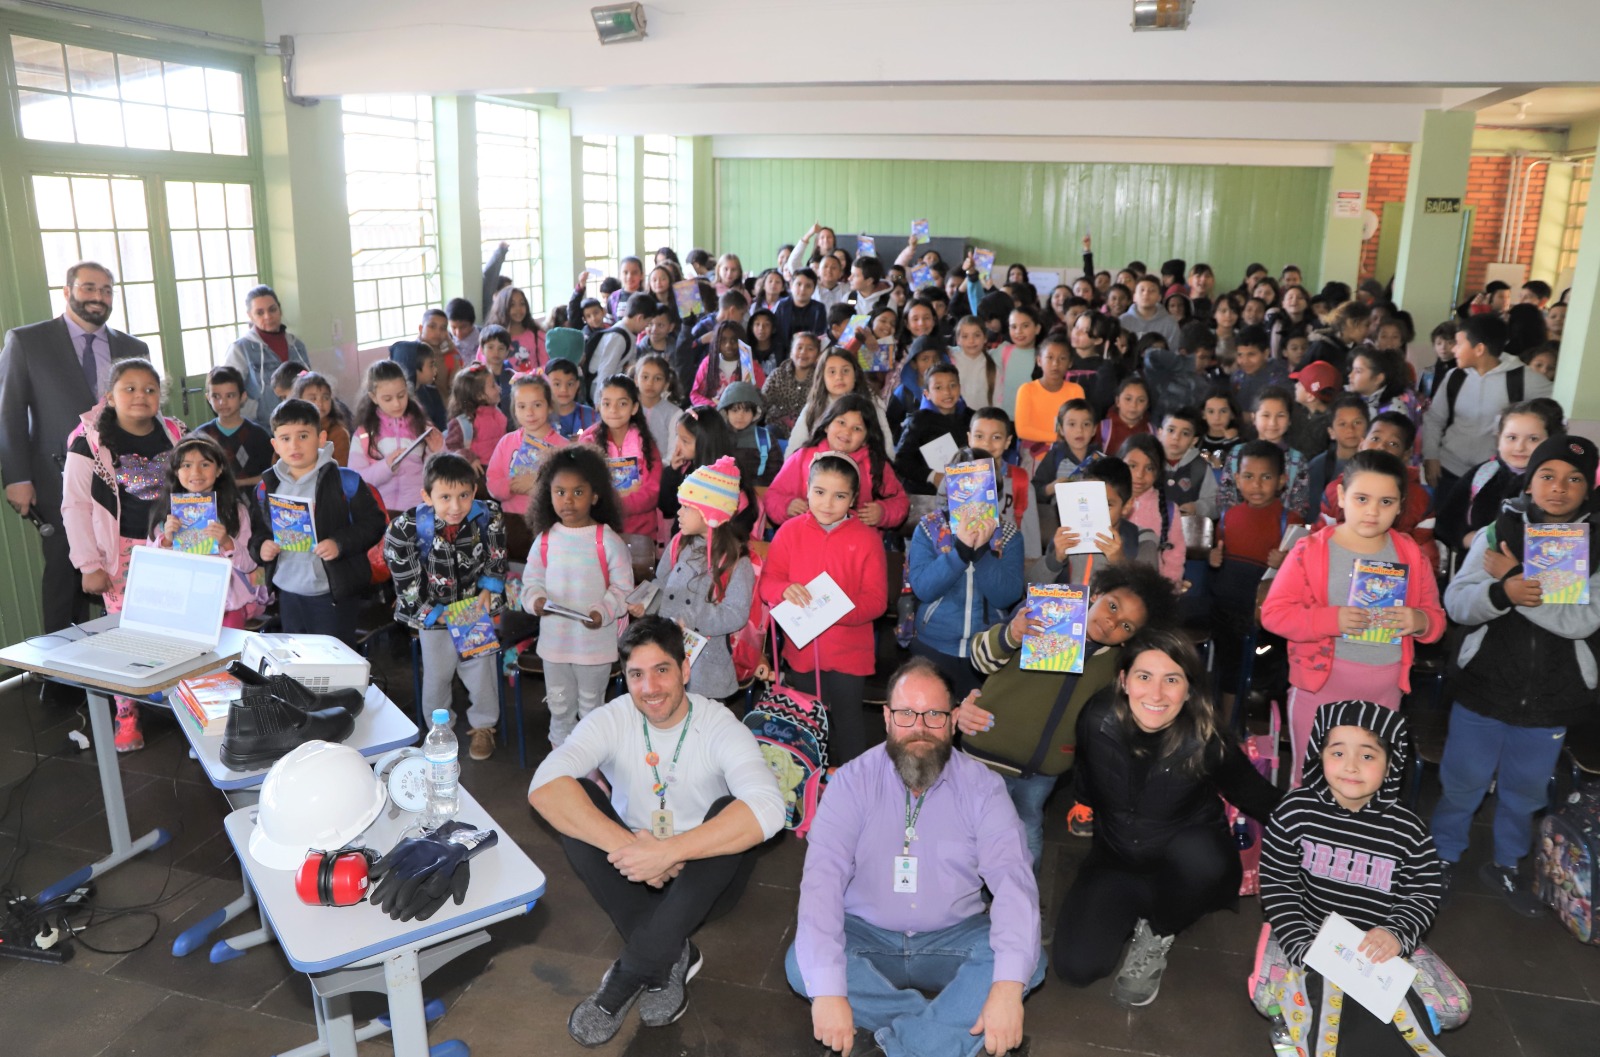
{"type": "Point", "coordinates": [440, 749]}
{"type": "Point", "coordinates": [905, 627]}
{"type": "Point", "coordinates": [1283, 1044]}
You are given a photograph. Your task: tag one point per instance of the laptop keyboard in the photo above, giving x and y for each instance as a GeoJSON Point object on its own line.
{"type": "Point", "coordinates": [134, 644]}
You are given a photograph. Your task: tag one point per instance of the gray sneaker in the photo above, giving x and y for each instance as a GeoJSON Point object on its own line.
{"type": "Point", "coordinates": [660, 1006]}
{"type": "Point", "coordinates": [597, 1018]}
{"type": "Point", "coordinates": [1139, 980]}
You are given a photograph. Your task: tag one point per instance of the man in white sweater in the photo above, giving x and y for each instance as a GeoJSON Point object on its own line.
{"type": "Point", "coordinates": [670, 841]}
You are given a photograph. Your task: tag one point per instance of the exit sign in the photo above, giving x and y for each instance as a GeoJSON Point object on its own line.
{"type": "Point", "coordinates": [1441, 205]}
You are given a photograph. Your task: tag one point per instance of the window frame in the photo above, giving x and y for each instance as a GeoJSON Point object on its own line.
{"type": "Point", "coordinates": [534, 290]}
{"type": "Point", "coordinates": [613, 202]}
{"type": "Point", "coordinates": [671, 202]}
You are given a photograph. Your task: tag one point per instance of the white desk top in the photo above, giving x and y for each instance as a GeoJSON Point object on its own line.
{"type": "Point", "coordinates": [380, 727]}
{"type": "Point", "coordinates": [33, 655]}
{"type": "Point", "coordinates": [505, 882]}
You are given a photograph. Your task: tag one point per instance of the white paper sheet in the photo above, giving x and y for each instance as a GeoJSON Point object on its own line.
{"type": "Point", "coordinates": [828, 604]}
{"type": "Point", "coordinates": [1084, 510]}
{"type": "Point", "coordinates": [1378, 986]}
{"type": "Point", "coordinates": [938, 452]}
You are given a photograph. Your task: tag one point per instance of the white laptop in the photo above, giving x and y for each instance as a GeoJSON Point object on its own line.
{"type": "Point", "coordinates": [172, 613]}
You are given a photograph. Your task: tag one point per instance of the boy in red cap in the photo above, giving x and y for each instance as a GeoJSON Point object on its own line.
{"type": "Point", "coordinates": [1316, 387]}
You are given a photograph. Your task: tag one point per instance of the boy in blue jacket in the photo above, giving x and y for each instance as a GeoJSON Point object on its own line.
{"type": "Point", "coordinates": [963, 584]}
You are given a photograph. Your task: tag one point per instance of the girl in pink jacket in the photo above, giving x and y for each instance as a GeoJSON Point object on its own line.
{"type": "Point", "coordinates": [116, 459]}
{"type": "Point", "coordinates": [850, 428]}
{"type": "Point", "coordinates": [388, 420]}
{"type": "Point", "coordinates": [623, 434]}
{"type": "Point", "coordinates": [477, 423]}
{"type": "Point", "coordinates": [1151, 511]}
{"type": "Point", "coordinates": [1337, 600]}
{"type": "Point", "coordinates": [514, 464]}
{"type": "Point", "coordinates": [827, 538]}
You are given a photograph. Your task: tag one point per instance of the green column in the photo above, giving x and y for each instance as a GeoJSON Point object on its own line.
{"type": "Point", "coordinates": [630, 197]}
{"type": "Point", "coordinates": [559, 205]}
{"type": "Point", "coordinates": [697, 222]}
{"type": "Point", "coordinates": [1578, 375]}
{"type": "Point", "coordinates": [308, 224]}
{"type": "Point", "coordinates": [1341, 239]}
{"type": "Point", "coordinates": [1430, 242]}
{"type": "Point", "coordinates": [455, 137]}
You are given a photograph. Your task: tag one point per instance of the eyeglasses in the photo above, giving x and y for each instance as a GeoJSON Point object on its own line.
{"type": "Point", "coordinates": [907, 717]}
{"type": "Point", "coordinates": [91, 289]}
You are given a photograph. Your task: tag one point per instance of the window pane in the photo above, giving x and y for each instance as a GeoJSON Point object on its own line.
{"type": "Point", "coordinates": [196, 351]}
{"type": "Point", "coordinates": [192, 303]}
{"type": "Point", "coordinates": [141, 80]}
{"type": "Point", "coordinates": [92, 72]}
{"type": "Point", "coordinates": [186, 86]}
{"type": "Point", "coordinates": [186, 255]}
{"type": "Point", "coordinates": [60, 253]}
{"type": "Point", "coordinates": [227, 134]}
{"type": "Point", "coordinates": [46, 117]}
{"type": "Point", "coordinates": [139, 301]}
{"type": "Point", "coordinates": [52, 196]}
{"type": "Point", "coordinates": [146, 126]}
{"type": "Point", "coordinates": [39, 63]}
{"type": "Point", "coordinates": [242, 246]}
{"type": "Point", "coordinates": [99, 121]}
{"type": "Point", "coordinates": [91, 198]}
{"type": "Point", "coordinates": [77, 221]}
{"type": "Point", "coordinates": [190, 130]}
{"type": "Point", "coordinates": [211, 205]}
{"type": "Point", "coordinates": [127, 196]}
{"type": "Point", "coordinates": [240, 211]}
{"type": "Point", "coordinates": [224, 91]}
{"type": "Point", "coordinates": [133, 250]}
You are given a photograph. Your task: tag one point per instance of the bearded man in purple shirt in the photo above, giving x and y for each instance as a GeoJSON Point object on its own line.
{"type": "Point", "coordinates": [891, 903]}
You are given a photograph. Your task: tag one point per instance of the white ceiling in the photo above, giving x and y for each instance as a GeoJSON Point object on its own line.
{"type": "Point", "coordinates": [1544, 107]}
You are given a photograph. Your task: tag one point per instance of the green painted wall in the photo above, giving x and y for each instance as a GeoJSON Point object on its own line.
{"type": "Point", "coordinates": [1037, 212]}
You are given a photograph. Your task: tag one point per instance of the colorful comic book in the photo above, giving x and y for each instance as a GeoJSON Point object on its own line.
{"type": "Point", "coordinates": [922, 276]}
{"type": "Point", "coordinates": [1063, 609]}
{"type": "Point", "coordinates": [624, 474]}
{"type": "Point", "coordinates": [866, 246]}
{"type": "Point", "coordinates": [983, 261]}
{"type": "Point", "coordinates": [747, 363]}
{"type": "Point", "coordinates": [526, 458]}
{"type": "Point", "coordinates": [1375, 585]}
{"type": "Point", "coordinates": [196, 512]}
{"type": "Point", "coordinates": [293, 528]}
{"type": "Point", "coordinates": [687, 294]}
{"type": "Point", "coordinates": [471, 627]}
{"type": "Point", "coordinates": [973, 498]}
{"type": "Point", "coordinates": [1559, 556]}
{"type": "Point", "coordinates": [919, 231]}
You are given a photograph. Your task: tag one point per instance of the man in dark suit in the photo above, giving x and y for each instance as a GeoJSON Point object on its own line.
{"type": "Point", "coordinates": [50, 374]}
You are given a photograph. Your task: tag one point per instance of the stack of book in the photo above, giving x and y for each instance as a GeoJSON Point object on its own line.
{"type": "Point", "coordinates": [203, 702]}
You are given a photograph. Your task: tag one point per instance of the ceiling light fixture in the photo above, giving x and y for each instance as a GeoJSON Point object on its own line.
{"type": "Point", "coordinates": [1161, 14]}
{"type": "Point", "coordinates": [617, 23]}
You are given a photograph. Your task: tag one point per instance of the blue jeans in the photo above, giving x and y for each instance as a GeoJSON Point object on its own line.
{"type": "Point", "coordinates": [1477, 749]}
{"type": "Point", "coordinates": [888, 971]}
{"type": "Point", "coordinates": [1028, 796]}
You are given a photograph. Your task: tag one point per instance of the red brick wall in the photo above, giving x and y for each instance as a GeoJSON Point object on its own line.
{"type": "Point", "coordinates": [1487, 180]}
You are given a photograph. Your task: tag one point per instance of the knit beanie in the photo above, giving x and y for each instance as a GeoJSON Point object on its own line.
{"type": "Point", "coordinates": [1571, 448]}
{"type": "Point", "coordinates": [712, 490]}
{"type": "Point", "coordinates": [739, 393]}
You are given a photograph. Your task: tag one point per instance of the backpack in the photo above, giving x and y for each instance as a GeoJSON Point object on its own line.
{"type": "Point", "coordinates": [465, 421]}
{"type": "Point", "coordinates": [1568, 872]}
{"type": "Point", "coordinates": [1261, 750]}
{"type": "Point", "coordinates": [477, 516]}
{"type": "Point", "coordinates": [350, 483]}
{"type": "Point", "coordinates": [791, 729]}
{"type": "Point", "coordinates": [1458, 378]}
{"type": "Point", "coordinates": [599, 550]}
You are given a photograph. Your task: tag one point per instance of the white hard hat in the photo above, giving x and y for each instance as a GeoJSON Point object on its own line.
{"type": "Point", "coordinates": [319, 797]}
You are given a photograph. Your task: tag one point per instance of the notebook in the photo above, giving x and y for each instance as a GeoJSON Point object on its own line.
{"type": "Point", "coordinates": [172, 613]}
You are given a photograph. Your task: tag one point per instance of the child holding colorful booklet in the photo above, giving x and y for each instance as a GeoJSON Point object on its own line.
{"type": "Point", "coordinates": [201, 511]}
{"type": "Point", "coordinates": [448, 559]}
{"type": "Point", "coordinates": [1525, 671]}
{"type": "Point", "coordinates": [1337, 598]}
{"type": "Point", "coordinates": [965, 569]}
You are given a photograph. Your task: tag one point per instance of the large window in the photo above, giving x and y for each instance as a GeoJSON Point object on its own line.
{"type": "Point", "coordinates": [104, 219]}
{"type": "Point", "coordinates": [508, 194]}
{"type": "Point", "coordinates": [72, 94]}
{"type": "Point", "coordinates": [394, 221]}
{"type": "Point", "coordinates": [214, 262]}
{"type": "Point", "coordinates": [600, 205]}
{"type": "Point", "coordinates": [660, 192]}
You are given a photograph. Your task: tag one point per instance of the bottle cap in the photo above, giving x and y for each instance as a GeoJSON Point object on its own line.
{"type": "Point", "coordinates": [441, 717]}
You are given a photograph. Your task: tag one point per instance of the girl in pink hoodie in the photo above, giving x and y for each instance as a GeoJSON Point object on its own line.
{"type": "Point", "coordinates": [388, 420]}
{"type": "Point", "coordinates": [850, 428]}
{"type": "Point", "coordinates": [514, 464]}
{"type": "Point", "coordinates": [476, 421]}
{"type": "Point", "coordinates": [623, 434]}
{"type": "Point", "coordinates": [198, 468]}
{"type": "Point", "coordinates": [116, 459]}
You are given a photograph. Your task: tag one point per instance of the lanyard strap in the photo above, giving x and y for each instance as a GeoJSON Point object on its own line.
{"type": "Point", "coordinates": [650, 757]}
{"type": "Point", "coordinates": [911, 820]}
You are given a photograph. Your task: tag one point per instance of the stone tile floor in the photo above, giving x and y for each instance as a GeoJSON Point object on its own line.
{"type": "Point", "coordinates": [1536, 990]}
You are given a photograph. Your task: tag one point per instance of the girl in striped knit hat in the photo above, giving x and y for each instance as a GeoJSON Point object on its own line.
{"type": "Point", "coordinates": [707, 580]}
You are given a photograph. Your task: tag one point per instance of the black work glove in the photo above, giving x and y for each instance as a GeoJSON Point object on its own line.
{"type": "Point", "coordinates": [420, 873]}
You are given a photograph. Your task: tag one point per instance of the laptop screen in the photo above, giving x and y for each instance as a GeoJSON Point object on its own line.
{"type": "Point", "coordinates": [177, 594]}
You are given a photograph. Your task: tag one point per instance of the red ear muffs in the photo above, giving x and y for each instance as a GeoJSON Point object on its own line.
{"type": "Point", "coordinates": [333, 879]}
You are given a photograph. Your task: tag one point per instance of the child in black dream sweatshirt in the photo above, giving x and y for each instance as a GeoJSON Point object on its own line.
{"type": "Point", "coordinates": [1343, 843]}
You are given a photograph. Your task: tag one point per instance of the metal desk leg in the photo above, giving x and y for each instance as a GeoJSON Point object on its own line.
{"type": "Point", "coordinates": [123, 847]}
{"type": "Point", "coordinates": [336, 1028]}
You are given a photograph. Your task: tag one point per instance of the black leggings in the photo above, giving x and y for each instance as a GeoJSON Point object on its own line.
{"type": "Point", "coordinates": [841, 694]}
{"type": "Point", "coordinates": [1198, 872]}
{"type": "Point", "coordinates": [654, 922]}
{"type": "Point", "coordinates": [1363, 1035]}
